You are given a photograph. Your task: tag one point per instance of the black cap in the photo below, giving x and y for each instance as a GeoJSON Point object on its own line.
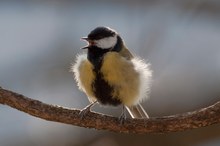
{"type": "Point", "coordinates": [101, 32]}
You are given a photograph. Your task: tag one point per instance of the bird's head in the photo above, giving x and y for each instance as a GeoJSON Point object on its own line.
{"type": "Point", "coordinates": [103, 38]}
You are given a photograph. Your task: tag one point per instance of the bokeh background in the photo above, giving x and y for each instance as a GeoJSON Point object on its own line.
{"type": "Point", "coordinates": [40, 39]}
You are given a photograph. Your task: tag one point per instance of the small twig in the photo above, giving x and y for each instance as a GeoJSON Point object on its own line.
{"type": "Point", "coordinates": [180, 122]}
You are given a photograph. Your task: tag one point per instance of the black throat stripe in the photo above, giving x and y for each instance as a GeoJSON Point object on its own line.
{"type": "Point", "coordinates": [102, 90]}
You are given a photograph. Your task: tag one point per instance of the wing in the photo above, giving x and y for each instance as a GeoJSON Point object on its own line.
{"type": "Point", "coordinates": [84, 75]}
{"type": "Point", "coordinates": [126, 53]}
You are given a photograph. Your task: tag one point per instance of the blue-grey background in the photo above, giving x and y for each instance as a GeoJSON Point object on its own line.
{"type": "Point", "coordinates": [40, 39]}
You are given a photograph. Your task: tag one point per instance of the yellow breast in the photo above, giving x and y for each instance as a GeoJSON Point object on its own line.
{"type": "Point", "coordinates": [84, 76]}
{"type": "Point", "coordinates": [120, 73]}
{"type": "Point", "coordinates": [129, 78]}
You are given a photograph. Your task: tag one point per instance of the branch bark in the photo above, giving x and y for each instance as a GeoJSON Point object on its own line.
{"type": "Point", "coordinates": [180, 122]}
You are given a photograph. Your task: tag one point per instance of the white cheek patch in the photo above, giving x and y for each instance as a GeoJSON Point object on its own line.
{"type": "Point", "coordinates": [106, 43]}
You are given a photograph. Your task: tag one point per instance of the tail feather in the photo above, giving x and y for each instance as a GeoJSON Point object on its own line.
{"type": "Point", "coordinates": [137, 111]}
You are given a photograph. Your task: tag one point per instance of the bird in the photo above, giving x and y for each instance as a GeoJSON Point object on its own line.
{"type": "Point", "coordinates": [109, 74]}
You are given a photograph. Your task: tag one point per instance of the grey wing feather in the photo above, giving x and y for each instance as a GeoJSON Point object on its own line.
{"type": "Point", "coordinates": [126, 53]}
{"type": "Point", "coordinates": [136, 111]}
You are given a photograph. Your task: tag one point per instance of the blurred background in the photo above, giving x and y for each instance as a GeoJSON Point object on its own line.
{"type": "Point", "coordinates": [40, 39]}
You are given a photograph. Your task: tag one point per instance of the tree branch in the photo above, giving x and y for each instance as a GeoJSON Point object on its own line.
{"type": "Point", "coordinates": [180, 122]}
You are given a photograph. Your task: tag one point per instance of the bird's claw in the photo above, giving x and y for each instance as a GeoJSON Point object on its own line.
{"type": "Point", "coordinates": [86, 110]}
{"type": "Point", "coordinates": [122, 118]}
{"type": "Point", "coordinates": [83, 112]}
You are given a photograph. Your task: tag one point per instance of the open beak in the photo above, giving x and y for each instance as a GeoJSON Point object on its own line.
{"type": "Point", "coordinates": [87, 40]}
{"type": "Point", "coordinates": [90, 42]}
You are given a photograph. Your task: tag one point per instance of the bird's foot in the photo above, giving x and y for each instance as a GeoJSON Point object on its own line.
{"type": "Point", "coordinates": [83, 112]}
{"type": "Point", "coordinates": [123, 117]}
{"type": "Point", "coordinates": [86, 110]}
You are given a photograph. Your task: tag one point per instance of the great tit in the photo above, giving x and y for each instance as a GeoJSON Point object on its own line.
{"type": "Point", "coordinates": [110, 75]}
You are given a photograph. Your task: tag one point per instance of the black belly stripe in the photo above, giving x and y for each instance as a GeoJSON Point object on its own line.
{"type": "Point", "coordinates": [103, 91]}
